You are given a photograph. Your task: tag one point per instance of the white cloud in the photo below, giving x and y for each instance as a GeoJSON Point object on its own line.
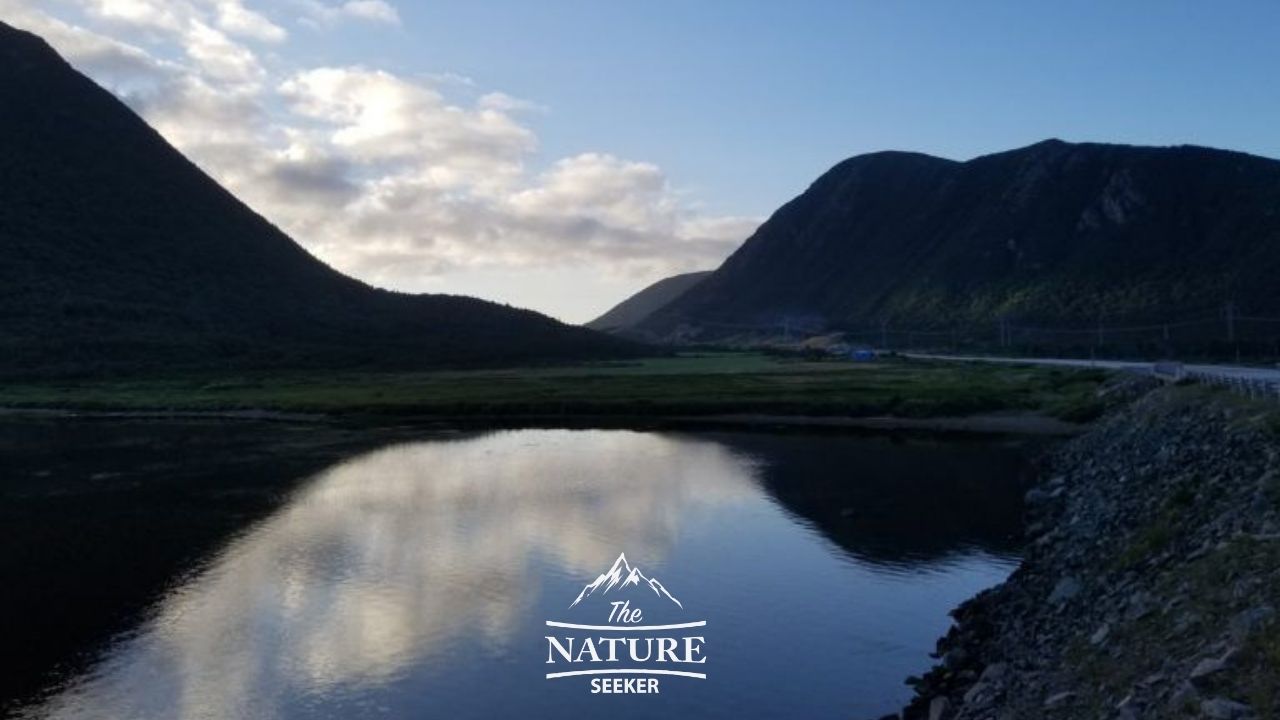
{"type": "Point", "coordinates": [156, 15]}
{"type": "Point", "coordinates": [220, 58]}
{"type": "Point", "coordinates": [390, 178]}
{"type": "Point", "coordinates": [604, 188]}
{"type": "Point", "coordinates": [375, 116]}
{"type": "Point", "coordinates": [503, 102]}
{"type": "Point", "coordinates": [375, 11]}
{"type": "Point", "coordinates": [236, 19]}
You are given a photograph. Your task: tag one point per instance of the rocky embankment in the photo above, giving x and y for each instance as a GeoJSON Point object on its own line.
{"type": "Point", "coordinates": [1151, 581]}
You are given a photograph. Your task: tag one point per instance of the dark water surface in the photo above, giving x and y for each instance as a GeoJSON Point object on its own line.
{"type": "Point", "coordinates": [221, 570]}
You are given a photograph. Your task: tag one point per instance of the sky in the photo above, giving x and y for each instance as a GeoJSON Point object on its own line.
{"type": "Point", "coordinates": [562, 154]}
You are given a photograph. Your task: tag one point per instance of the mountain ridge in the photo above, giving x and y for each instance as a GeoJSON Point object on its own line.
{"type": "Point", "coordinates": [639, 306]}
{"type": "Point", "coordinates": [1055, 232]}
{"type": "Point", "coordinates": [119, 255]}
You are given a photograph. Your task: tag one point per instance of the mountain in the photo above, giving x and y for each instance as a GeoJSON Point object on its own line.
{"type": "Point", "coordinates": [622, 576]}
{"type": "Point", "coordinates": [118, 254]}
{"type": "Point", "coordinates": [636, 308]}
{"type": "Point", "coordinates": [1055, 235]}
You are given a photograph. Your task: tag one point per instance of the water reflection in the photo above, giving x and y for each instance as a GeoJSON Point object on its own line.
{"type": "Point", "coordinates": [388, 556]}
{"type": "Point", "coordinates": [399, 576]}
{"type": "Point", "coordinates": [898, 501]}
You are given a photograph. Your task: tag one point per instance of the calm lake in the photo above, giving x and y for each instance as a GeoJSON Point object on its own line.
{"type": "Point", "coordinates": [224, 570]}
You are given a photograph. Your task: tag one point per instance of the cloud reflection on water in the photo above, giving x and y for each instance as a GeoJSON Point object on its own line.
{"type": "Point", "coordinates": [382, 560]}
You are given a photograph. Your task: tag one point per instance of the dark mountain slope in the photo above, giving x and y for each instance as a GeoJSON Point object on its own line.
{"type": "Point", "coordinates": [116, 253]}
{"type": "Point", "coordinates": [636, 308]}
{"type": "Point", "coordinates": [1053, 234]}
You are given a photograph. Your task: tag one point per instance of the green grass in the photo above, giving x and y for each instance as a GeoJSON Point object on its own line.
{"type": "Point", "coordinates": [1150, 540]}
{"type": "Point", "coordinates": [1138, 648]}
{"type": "Point", "coordinates": [1256, 674]}
{"type": "Point", "coordinates": [687, 384]}
{"type": "Point", "coordinates": [1262, 656]}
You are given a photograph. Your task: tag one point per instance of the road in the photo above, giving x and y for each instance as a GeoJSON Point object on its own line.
{"type": "Point", "coordinates": [1235, 372]}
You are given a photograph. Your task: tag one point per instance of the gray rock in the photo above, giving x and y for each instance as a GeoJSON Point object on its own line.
{"type": "Point", "coordinates": [1249, 621]}
{"type": "Point", "coordinates": [939, 708]}
{"type": "Point", "coordinates": [1036, 496]}
{"type": "Point", "coordinates": [1140, 605]}
{"type": "Point", "coordinates": [1223, 709]}
{"type": "Point", "coordinates": [1186, 621]}
{"type": "Point", "coordinates": [1212, 666]}
{"type": "Point", "coordinates": [972, 696]}
{"type": "Point", "coordinates": [1110, 486]}
{"type": "Point", "coordinates": [995, 673]}
{"type": "Point", "coordinates": [1185, 694]}
{"type": "Point", "coordinates": [1066, 589]}
{"type": "Point", "coordinates": [1058, 700]}
{"type": "Point", "coordinates": [1127, 709]}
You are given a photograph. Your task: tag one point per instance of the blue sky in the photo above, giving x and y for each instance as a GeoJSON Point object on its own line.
{"type": "Point", "coordinates": [562, 154]}
{"type": "Point", "coordinates": [744, 103]}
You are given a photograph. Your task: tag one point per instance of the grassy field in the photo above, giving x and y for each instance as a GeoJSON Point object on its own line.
{"type": "Point", "coordinates": [687, 384]}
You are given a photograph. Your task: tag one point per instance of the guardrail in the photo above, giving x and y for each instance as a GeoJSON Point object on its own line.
{"type": "Point", "coordinates": [1256, 382]}
{"type": "Point", "coordinates": [1247, 386]}
{"type": "Point", "coordinates": [1254, 387]}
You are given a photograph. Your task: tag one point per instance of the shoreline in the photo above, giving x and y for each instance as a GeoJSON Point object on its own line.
{"type": "Point", "coordinates": [1007, 423]}
{"type": "Point", "coordinates": [1149, 583]}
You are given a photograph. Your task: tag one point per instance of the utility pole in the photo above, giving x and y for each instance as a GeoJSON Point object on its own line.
{"type": "Point", "coordinates": [1231, 321]}
{"type": "Point", "coordinates": [884, 333]}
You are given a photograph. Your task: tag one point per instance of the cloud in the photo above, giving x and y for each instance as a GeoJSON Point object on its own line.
{"type": "Point", "coordinates": [156, 15]}
{"type": "Point", "coordinates": [398, 180]}
{"type": "Point", "coordinates": [375, 11]}
{"type": "Point", "coordinates": [503, 102]}
{"type": "Point", "coordinates": [236, 19]}
{"type": "Point", "coordinates": [204, 652]}
{"type": "Point", "coordinates": [220, 58]}
{"type": "Point", "coordinates": [374, 116]}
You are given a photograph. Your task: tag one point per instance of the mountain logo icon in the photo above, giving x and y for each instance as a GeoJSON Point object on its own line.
{"type": "Point", "coordinates": [638, 648]}
{"type": "Point", "coordinates": [623, 576]}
